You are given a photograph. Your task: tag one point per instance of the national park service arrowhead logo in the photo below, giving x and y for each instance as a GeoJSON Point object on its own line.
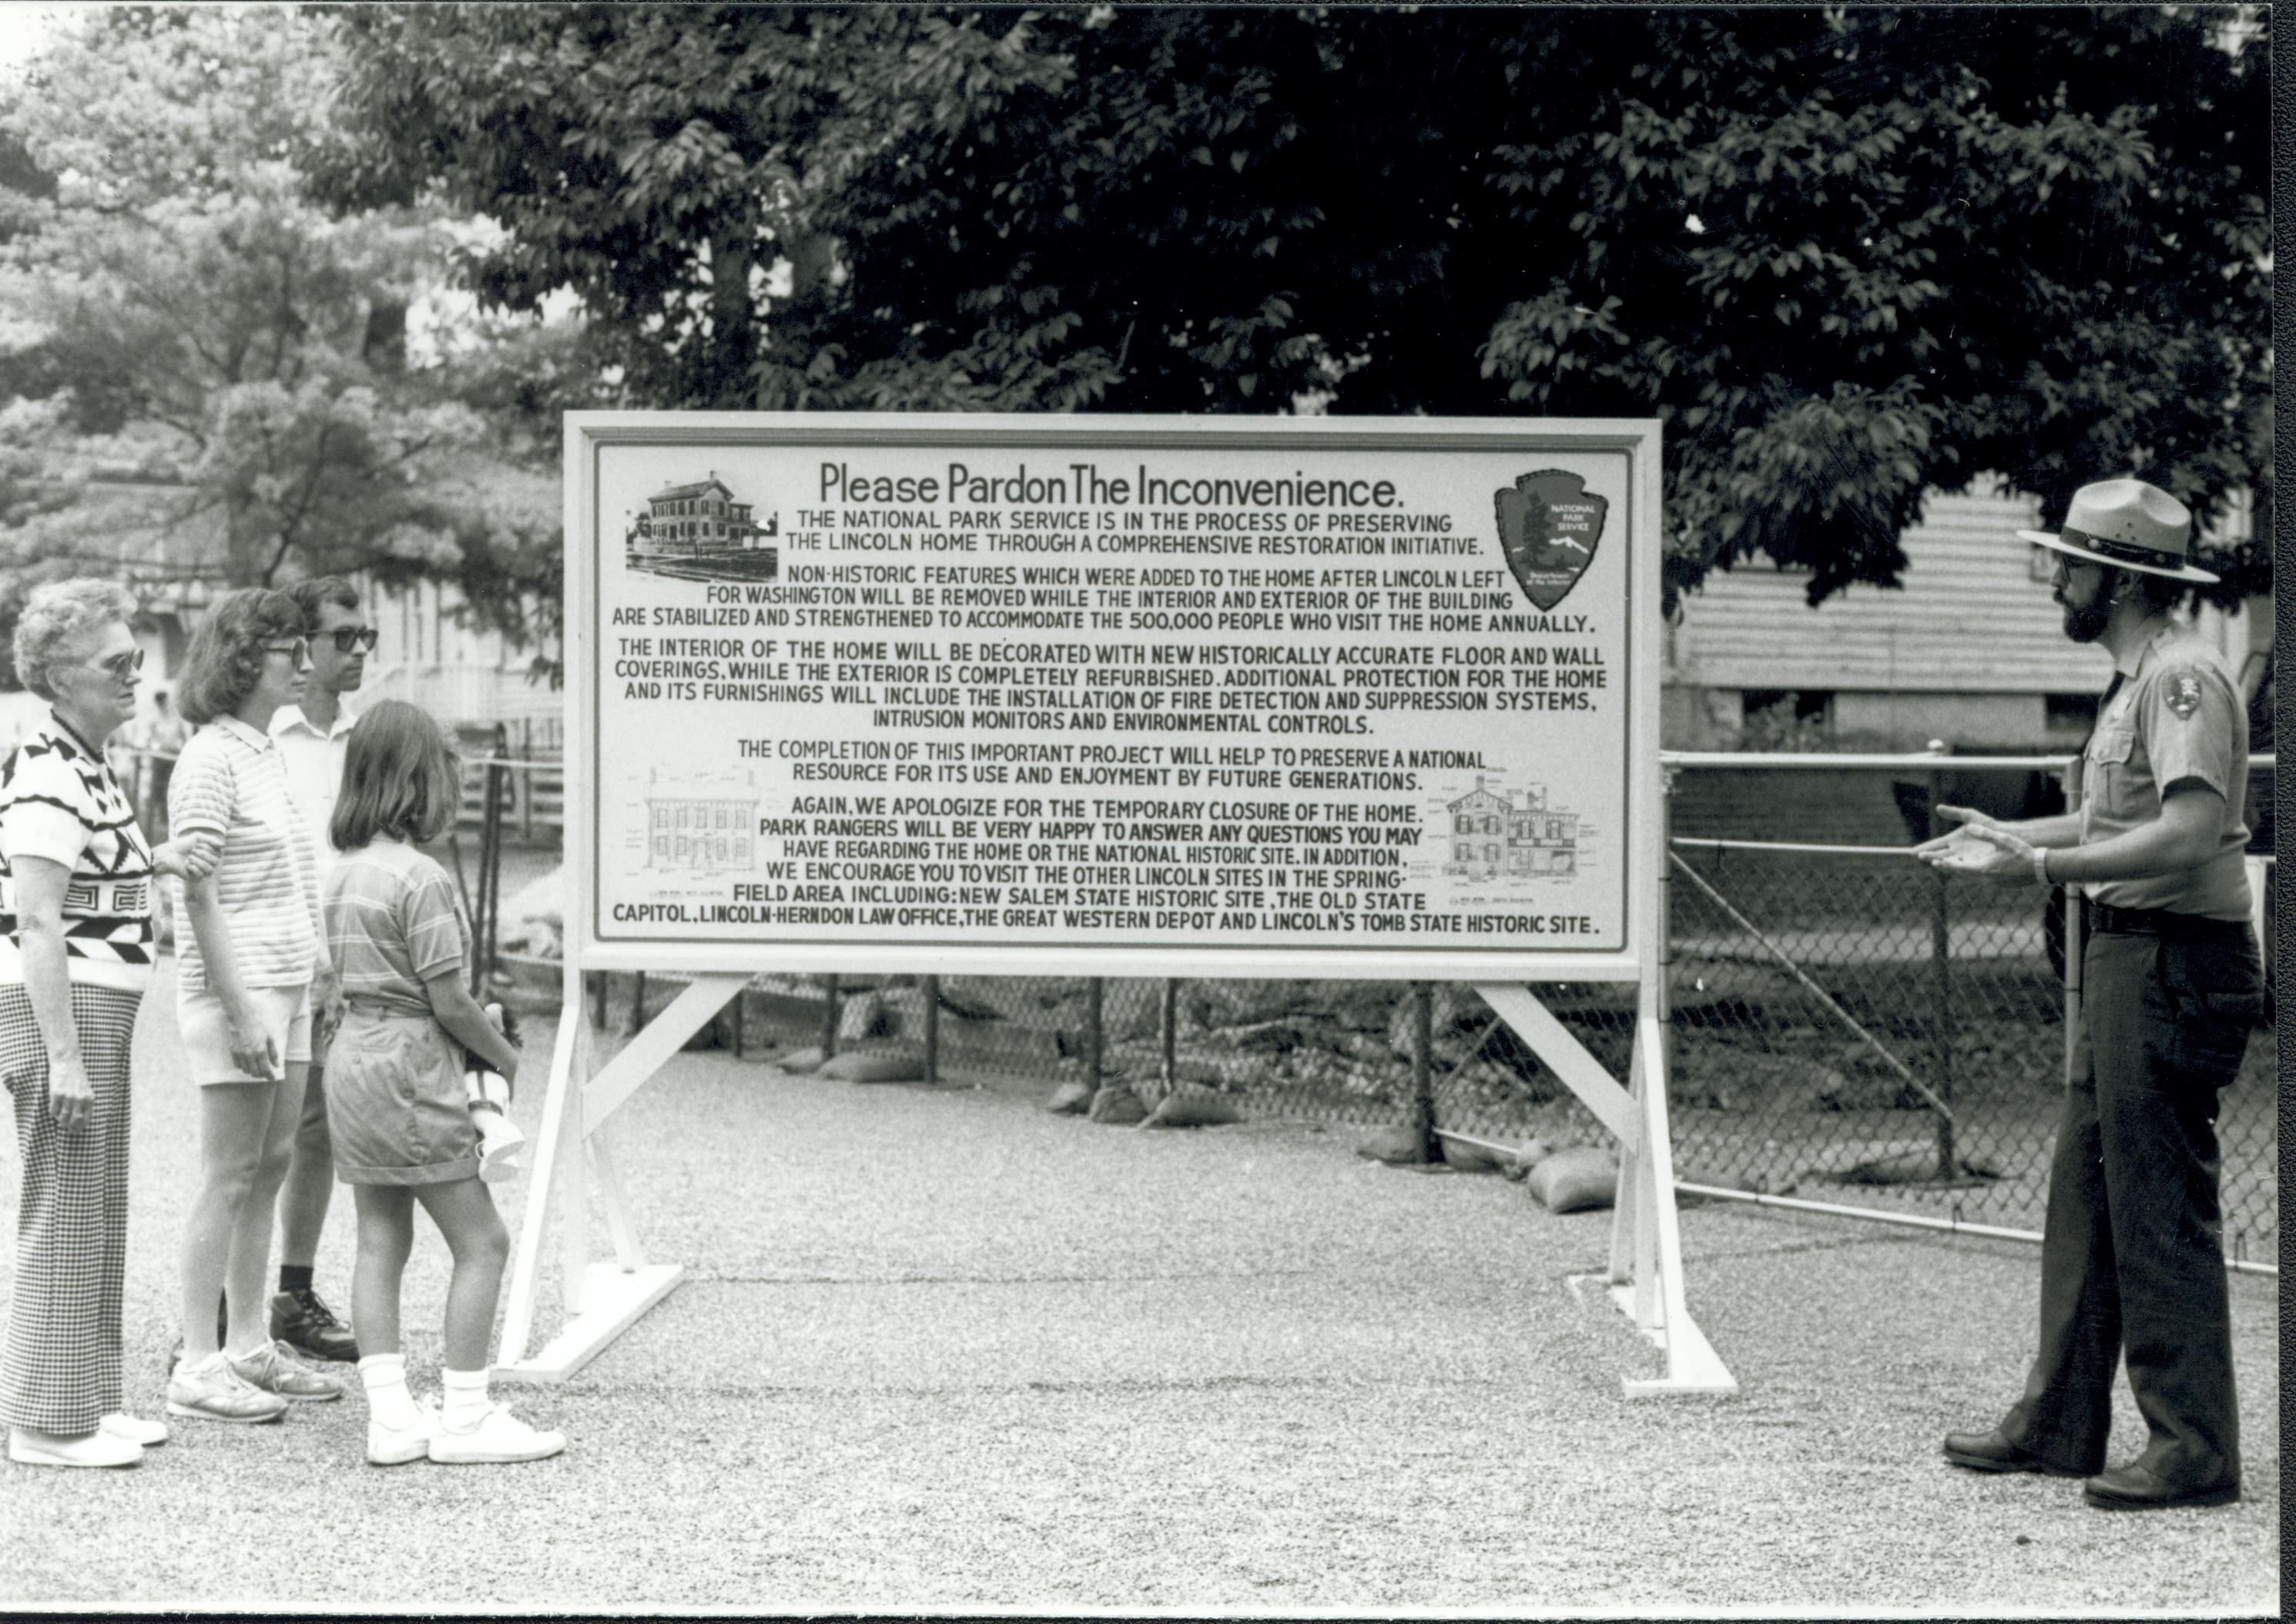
{"type": "Point", "coordinates": [1549, 526]}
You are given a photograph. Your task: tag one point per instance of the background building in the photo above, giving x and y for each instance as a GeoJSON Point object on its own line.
{"type": "Point", "coordinates": [1971, 650]}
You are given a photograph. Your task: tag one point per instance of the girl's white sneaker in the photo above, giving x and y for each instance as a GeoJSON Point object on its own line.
{"type": "Point", "coordinates": [498, 1438]}
{"type": "Point", "coordinates": [387, 1446]}
{"type": "Point", "coordinates": [28, 1448]}
{"type": "Point", "coordinates": [135, 1429]}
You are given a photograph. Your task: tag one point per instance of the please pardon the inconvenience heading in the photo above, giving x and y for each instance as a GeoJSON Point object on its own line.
{"type": "Point", "coordinates": [1084, 482]}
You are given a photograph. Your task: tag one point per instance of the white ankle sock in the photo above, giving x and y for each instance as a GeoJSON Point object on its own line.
{"type": "Point", "coordinates": [384, 1377]}
{"type": "Point", "coordinates": [235, 1355]}
{"type": "Point", "coordinates": [466, 1397]}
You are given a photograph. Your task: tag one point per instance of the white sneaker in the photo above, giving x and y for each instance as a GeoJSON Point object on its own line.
{"type": "Point", "coordinates": [28, 1448]}
{"type": "Point", "coordinates": [389, 1446]}
{"type": "Point", "coordinates": [498, 1438]}
{"type": "Point", "coordinates": [135, 1429]}
{"type": "Point", "coordinates": [210, 1389]}
{"type": "Point", "coordinates": [273, 1368]}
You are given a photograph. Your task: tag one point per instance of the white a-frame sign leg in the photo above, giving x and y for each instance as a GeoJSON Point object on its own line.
{"type": "Point", "coordinates": [847, 735]}
{"type": "Point", "coordinates": [602, 1299]}
{"type": "Point", "coordinates": [1645, 1265]}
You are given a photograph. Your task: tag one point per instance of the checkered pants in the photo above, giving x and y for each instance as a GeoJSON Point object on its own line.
{"type": "Point", "coordinates": [60, 1366]}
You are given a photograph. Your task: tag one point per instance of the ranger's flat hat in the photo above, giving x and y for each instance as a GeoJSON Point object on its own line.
{"type": "Point", "coordinates": [2129, 525]}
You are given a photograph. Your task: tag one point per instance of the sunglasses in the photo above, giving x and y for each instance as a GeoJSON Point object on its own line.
{"type": "Point", "coordinates": [124, 667]}
{"type": "Point", "coordinates": [348, 638]}
{"type": "Point", "coordinates": [297, 652]}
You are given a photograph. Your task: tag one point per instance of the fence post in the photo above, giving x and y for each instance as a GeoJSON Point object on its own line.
{"type": "Point", "coordinates": [490, 866]}
{"type": "Point", "coordinates": [1666, 912]}
{"type": "Point", "coordinates": [2074, 945]}
{"type": "Point", "coordinates": [637, 1004]}
{"type": "Point", "coordinates": [1941, 960]}
{"type": "Point", "coordinates": [828, 1016]}
{"type": "Point", "coordinates": [1423, 1087]}
{"type": "Point", "coordinates": [1170, 1020]}
{"type": "Point", "coordinates": [1094, 1043]}
{"type": "Point", "coordinates": [932, 1029]}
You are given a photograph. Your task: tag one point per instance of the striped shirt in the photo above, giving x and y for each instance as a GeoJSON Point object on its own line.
{"type": "Point", "coordinates": [231, 781]}
{"type": "Point", "coordinates": [392, 922]}
{"type": "Point", "coordinates": [60, 801]}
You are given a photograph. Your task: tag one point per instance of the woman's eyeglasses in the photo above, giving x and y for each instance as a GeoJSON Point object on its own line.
{"type": "Point", "coordinates": [349, 637]}
{"type": "Point", "coordinates": [297, 652]}
{"type": "Point", "coordinates": [123, 667]}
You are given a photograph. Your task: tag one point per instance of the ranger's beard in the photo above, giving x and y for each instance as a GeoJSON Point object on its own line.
{"type": "Point", "coordinates": [2086, 624]}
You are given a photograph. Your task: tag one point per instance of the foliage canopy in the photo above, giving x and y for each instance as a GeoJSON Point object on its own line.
{"type": "Point", "coordinates": [205, 375]}
{"type": "Point", "coordinates": [1845, 256]}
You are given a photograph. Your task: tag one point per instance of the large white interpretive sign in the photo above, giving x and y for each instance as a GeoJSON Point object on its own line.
{"type": "Point", "coordinates": [1107, 696]}
{"type": "Point", "coordinates": [1313, 696]}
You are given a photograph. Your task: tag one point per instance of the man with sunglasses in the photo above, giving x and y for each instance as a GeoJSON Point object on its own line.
{"type": "Point", "coordinates": [312, 738]}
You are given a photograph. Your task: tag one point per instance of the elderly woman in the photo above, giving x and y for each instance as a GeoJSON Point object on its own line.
{"type": "Point", "coordinates": [249, 958]}
{"type": "Point", "coordinates": [76, 910]}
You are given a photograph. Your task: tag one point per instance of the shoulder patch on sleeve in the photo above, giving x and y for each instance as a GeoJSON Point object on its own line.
{"type": "Point", "coordinates": [2181, 692]}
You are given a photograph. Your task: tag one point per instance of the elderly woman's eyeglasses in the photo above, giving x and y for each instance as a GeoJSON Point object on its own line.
{"type": "Point", "coordinates": [124, 667]}
{"type": "Point", "coordinates": [297, 652]}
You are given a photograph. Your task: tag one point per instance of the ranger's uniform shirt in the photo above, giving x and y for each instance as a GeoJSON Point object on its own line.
{"type": "Point", "coordinates": [2178, 718]}
{"type": "Point", "coordinates": [60, 801]}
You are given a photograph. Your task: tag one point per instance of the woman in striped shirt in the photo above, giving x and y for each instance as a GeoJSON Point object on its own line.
{"type": "Point", "coordinates": [75, 955]}
{"type": "Point", "coordinates": [243, 994]}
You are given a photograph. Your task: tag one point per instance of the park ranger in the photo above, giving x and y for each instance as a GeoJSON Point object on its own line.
{"type": "Point", "coordinates": [2132, 1262]}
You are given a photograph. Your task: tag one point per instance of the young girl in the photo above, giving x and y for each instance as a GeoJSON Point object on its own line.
{"type": "Point", "coordinates": [395, 1103]}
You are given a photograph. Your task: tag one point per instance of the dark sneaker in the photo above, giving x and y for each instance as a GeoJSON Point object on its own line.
{"type": "Point", "coordinates": [308, 1326]}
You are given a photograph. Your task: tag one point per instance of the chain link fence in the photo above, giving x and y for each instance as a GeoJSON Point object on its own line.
{"type": "Point", "coordinates": [1846, 1025]}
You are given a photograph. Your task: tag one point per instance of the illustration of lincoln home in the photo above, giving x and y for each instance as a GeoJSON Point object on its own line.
{"type": "Point", "coordinates": [701, 824]}
{"type": "Point", "coordinates": [701, 524]}
{"type": "Point", "coordinates": [1494, 836]}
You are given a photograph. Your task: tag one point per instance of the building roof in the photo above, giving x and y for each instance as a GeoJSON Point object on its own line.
{"type": "Point", "coordinates": [678, 493]}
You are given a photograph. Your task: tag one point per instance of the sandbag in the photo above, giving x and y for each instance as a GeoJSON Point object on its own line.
{"type": "Point", "coordinates": [1527, 1155]}
{"type": "Point", "coordinates": [1396, 1146]}
{"type": "Point", "coordinates": [1071, 1100]}
{"type": "Point", "coordinates": [1117, 1104]}
{"type": "Point", "coordinates": [876, 1066]}
{"type": "Point", "coordinates": [1191, 1107]}
{"type": "Point", "coordinates": [797, 1062]}
{"type": "Point", "coordinates": [1576, 1180]}
{"type": "Point", "coordinates": [1467, 1158]}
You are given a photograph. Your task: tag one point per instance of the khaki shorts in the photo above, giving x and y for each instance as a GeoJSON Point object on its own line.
{"type": "Point", "coordinates": [285, 1012]}
{"type": "Point", "coordinates": [397, 1109]}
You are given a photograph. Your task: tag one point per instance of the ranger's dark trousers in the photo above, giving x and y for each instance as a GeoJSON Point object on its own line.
{"type": "Point", "coordinates": [2133, 1259]}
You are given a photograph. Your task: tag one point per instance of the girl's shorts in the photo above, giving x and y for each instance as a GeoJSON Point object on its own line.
{"type": "Point", "coordinates": [397, 1107]}
{"type": "Point", "coordinates": [285, 1012]}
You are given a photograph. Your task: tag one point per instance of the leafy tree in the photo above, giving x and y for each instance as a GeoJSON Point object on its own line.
{"type": "Point", "coordinates": [1845, 256]}
{"type": "Point", "coordinates": [182, 315]}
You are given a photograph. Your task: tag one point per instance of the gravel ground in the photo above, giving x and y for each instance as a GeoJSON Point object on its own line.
{"type": "Point", "coordinates": [937, 1349]}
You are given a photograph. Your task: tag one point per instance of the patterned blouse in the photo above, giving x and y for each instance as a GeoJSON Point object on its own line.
{"type": "Point", "coordinates": [60, 801]}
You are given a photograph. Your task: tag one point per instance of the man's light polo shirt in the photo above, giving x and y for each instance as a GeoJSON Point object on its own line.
{"type": "Point", "coordinates": [314, 772]}
{"type": "Point", "coordinates": [231, 780]}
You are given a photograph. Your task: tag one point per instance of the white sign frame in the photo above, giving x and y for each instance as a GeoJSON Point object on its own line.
{"type": "Point", "coordinates": [572, 1160]}
{"type": "Point", "coordinates": [589, 433]}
